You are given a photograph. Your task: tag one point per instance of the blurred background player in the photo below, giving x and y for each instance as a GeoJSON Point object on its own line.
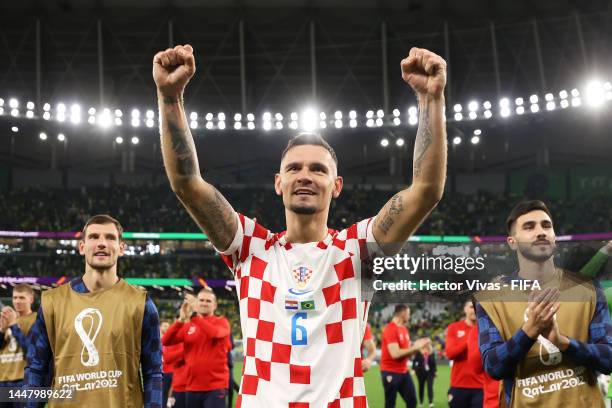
{"type": "Point", "coordinates": [114, 326]}
{"type": "Point", "coordinates": [424, 366]}
{"type": "Point", "coordinates": [170, 355]}
{"type": "Point", "coordinates": [206, 342]}
{"type": "Point", "coordinates": [466, 382]}
{"type": "Point", "coordinates": [369, 345]}
{"type": "Point", "coordinates": [396, 351]}
{"type": "Point", "coordinates": [15, 324]}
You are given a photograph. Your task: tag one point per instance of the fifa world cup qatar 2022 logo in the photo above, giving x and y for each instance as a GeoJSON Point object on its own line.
{"type": "Point", "coordinates": [87, 325]}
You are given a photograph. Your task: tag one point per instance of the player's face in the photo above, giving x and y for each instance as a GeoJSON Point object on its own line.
{"type": "Point", "coordinates": [163, 328]}
{"type": "Point", "coordinates": [207, 304]}
{"type": "Point", "coordinates": [22, 301]}
{"type": "Point", "coordinates": [534, 236]}
{"type": "Point", "coordinates": [470, 313]}
{"type": "Point", "coordinates": [101, 246]}
{"type": "Point", "coordinates": [308, 179]}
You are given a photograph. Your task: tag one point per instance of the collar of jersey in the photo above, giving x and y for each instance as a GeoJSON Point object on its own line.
{"type": "Point", "coordinates": [282, 240]}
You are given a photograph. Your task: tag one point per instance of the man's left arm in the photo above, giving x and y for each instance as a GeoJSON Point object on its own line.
{"type": "Point", "coordinates": [21, 338]}
{"type": "Point", "coordinates": [425, 72]}
{"type": "Point", "coordinates": [596, 353]}
{"type": "Point", "coordinates": [151, 356]}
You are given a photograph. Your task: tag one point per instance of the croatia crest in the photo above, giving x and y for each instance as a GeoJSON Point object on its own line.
{"type": "Point", "coordinates": [301, 275]}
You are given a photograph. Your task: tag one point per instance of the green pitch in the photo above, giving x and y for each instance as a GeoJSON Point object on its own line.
{"type": "Point", "coordinates": [374, 389]}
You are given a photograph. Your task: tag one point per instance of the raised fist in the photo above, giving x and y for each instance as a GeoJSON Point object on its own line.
{"type": "Point", "coordinates": [425, 72]}
{"type": "Point", "coordinates": [172, 69]}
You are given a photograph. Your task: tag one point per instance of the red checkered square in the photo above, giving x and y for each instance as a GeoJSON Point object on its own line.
{"type": "Point", "coordinates": [267, 292]}
{"type": "Point", "coordinates": [339, 243]}
{"type": "Point", "coordinates": [334, 404]}
{"type": "Point", "coordinates": [258, 266]}
{"type": "Point", "coordinates": [250, 347]}
{"type": "Point", "coordinates": [322, 245]}
{"type": "Point", "coordinates": [299, 374]}
{"type": "Point", "coordinates": [281, 353]}
{"type": "Point", "coordinates": [358, 370]}
{"type": "Point", "coordinates": [334, 333]}
{"type": "Point", "coordinates": [244, 287]}
{"type": "Point", "coordinates": [253, 307]}
{"type": "Point", "coordinates": [360, 402]}
{"type": "Point", "coordinates": [344, 269]}
{"type": "Point", "coordinates": [246, 245]}
{"type": "Point", "coordinates": [351, 232]}
{"type": "Point", "coordinates": [238, 273]}
{"type": "Point", "coordinates": [299, 405]}
{"type": "Point", "coordinates": [346, 390]}
{"type": "Point", "coordinates": [249, 384]}
{"type": "Point", "coordinates": [263, 369]}
{"type": "Point", "coordinates": [260, 232]}
{"type": "Point", "coordinates": [332, 294]}
{"type": "Point", "coordinates": [349, 309]}
{"type": "Point", "coordinates": [265, 330]}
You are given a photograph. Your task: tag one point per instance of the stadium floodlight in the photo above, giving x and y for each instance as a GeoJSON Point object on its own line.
{"type": "Point", "coordinates": [380, 113]}
{"type": "Point", "coordinates": [576, 102]}
{"type": "Point", "coordinates": [518, 101]}
{"type": "Point", "coordinates": [575, 93]}
{"type": "Point", "coordinates": [13, 103]}
{"type": "Point", "coordinates": [135, 140]}
{"type": "Point", "coordinates": [473, 106]}
{"type": "Point", "coordinates": [535, 108]}
{"type": "Point", "coordinates": [135, 113]}
{"type": "Point", "coordinates": [487, 114]}
{"type": "Point", "coordinates": [458, 116]}
{"type": "Point", "coordinates": [279, 125]}
{"type": "Point", "coordinates": [369, 114]}
{"type": "Point", "coordinates": [370, 122]}
{"type": "Point", "coordinates": [564, 103]}
{"type": "Point", "coordinates": [520, 110]}
{"type": "Point", "coordinates": [14, 129]}
{"type": "Point", "coordinates": [504, 103]}
{"type": "Point", "coordinates": [47, 107]}
{"type": "Point", "coordinates": [293, 124]}
{"type": "Point", "coordinates": [209, 125]}
{"type": "Point", "coordinates": [396, 112]}
{"type": "Point", "coordinates": [278, 116]}
{"type": "Point", "coordinates": [473, 115]}
{"type": "Point", "coordinates": [475, 140]}
{"type": "Point", "coordinates": [251, 125]}
{"type": "Point", "coordinates": [29, 114]}
{"type": "Point", "coordinates": [1, 102]}
{"type": "Point", "coordinates": [46, 116]}
{"type": "Point", "coordinates": [337, 115]}
{"type": "Point", "coordinates": [456, 140]}
{"type": "Point", "coordinates": [563, 94]}
{"type": "Point", "coordinates": [607, 86]}
{"type": "Point", "coordinates": [237, 117]}
{"type": "Point", "coordinates": [323, 116]}
{"type": "Point", "coordinates": [61, 116]}
{"type": "Point", "coordinates": [353, 123]}
{"type": "Point", "coordinates": [42, 136]}
{"type": "Point", "coordinates": [399, 142]}
{"type": "Point", "coordinates": [594, 94]}
{"type": "Point", "coordinates": [74, 108]}
{"type": "Point", "coordinates": [550, 105]}
{"type": "Point", "coordinates": [353, 114]}
{"type": "Point", "coordinates": [250, 117]}
{"type": "Point", "coordinates": [477, 132]}
{"type": "Point", "coordinates": [267, 125]}
{"type": "Point", "coordinates": [209, 117]}
{"type": "Point", "coordinates": [61, 137]}
{"type": "Point", "coordinates": [221, 124]}
{"type": "Point", "coordinates": [14, 112]}
{"type": "Point", "coordinates": [237, 125]}
{"type": "Point", "coordinates": [221, 116]}
{"type": "Point", "coordinates": [294, 116]}
{"type": "Point", "coordinates": [505, 112]}
{"type": "Point", "coordinates": [135, 122]}
{"type": "Point", "coordinates": [90, 111]}
{"type": "Point", "coordinates": [30, 105]}
{"type": "Point", "coordinates": [119, 113]}
{"type": "Point", "coordinates": [267, 116]}
{"type": "Point", "coordinates": [549, 97]}
{"type": "Point", "coordinates": [533, 99]}
{"type": "Point", "coordinates": [118, 122]}
{"type": "Point", "coordinates": [150, 114]}
{"type": "Point", "coordinates": [338, 123]}
{"type": "Point", "coordinates": [397, 121]}
{"type": "Point", "coordinates": [487, 105]}
{"type": "Point", "coordinates": [379, 122]}
{"type": "Point", "coordinates": [60, 107]}
{"type": "Point", "coordinates": [119, 140]}
{"type": "Point", "coordinates": [193, 124]}
{"type": "Point", "coordinates": [150, 123]}
{"type": "Point", "coordinates": [323, 124]}
{"type": "Point", "coordinates": [1, 110]}
{"type": "Point", "coordinates": [104, 119]}
{"type": "Point", "coordinates": [457, 107]}
{"type": "Point", "coordinates": [413, 111]}
{"type": "Point", "coordinates": [193, 116]}
{"type": "Point", "coordinates": [413, 120]}
{"type": "Point", "coordinates": [75, 119]}
{"type": "Point", "coordinates": [384, 142]}
{"type": "Point", "coordinates": [309, 119]}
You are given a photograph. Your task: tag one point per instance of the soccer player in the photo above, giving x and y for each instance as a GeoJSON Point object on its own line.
{"type": "Point", "coordinates": [302, 321]}
{"type": "Point", "coordinates": [169, 356]}
{"type": "Point", "coordinates": [369, 345]}
{"type": "Point", "coordinates": [14, 327]}
{"type": "Point", "coordinates": [466, 381]}
{"type": "Point", "coordinates": [396, 350]}
{"type": "Point", "coordinates": [205, 339]}
{"type": "Point", "coordinates": [546, 345]}
{"type": "Point", "coordinates": [98, 332]}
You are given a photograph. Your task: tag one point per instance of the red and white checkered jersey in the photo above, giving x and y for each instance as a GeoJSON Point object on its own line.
{"type": "Point", "coordinates": [301, 315]}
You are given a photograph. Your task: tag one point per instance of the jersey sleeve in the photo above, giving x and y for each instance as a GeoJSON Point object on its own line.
{"type": "Point", "coordinates": [249, 237]}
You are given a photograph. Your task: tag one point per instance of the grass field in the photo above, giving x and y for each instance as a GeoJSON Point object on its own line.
{"type": "Point", "coordinates": [374, 389]}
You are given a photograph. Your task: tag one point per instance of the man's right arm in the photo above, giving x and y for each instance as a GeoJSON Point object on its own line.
{"type": "Point", "coordinates": [455, 345]}
{"type": "Point", "coordinates": [172, 69]}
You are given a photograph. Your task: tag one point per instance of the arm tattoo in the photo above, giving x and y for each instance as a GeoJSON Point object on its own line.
{"type": "Point", "coordinates": [423, 141]}
{"type": "Point", "coordinates": [214, 216]}
{"type": "Point", "coordinates": [180, 139]}
{"type": "Point", "coordinates": [395, 207]}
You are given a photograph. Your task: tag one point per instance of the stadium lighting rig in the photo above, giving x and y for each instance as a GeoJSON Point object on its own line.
{"type": "Point", "coordinates": [594, 95]}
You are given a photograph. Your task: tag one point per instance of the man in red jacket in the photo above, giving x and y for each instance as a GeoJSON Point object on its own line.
{"type": "Point", "coordinates": [467, 374]}
{"type": "Point", "coordinates": [206, 341]}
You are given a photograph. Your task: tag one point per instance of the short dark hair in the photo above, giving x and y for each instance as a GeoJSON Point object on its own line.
{"type": "Point", "coordinates": [522, 208]}
{"type": "Point", "coordinates": [399, 309]}
{"type": "Point", "coordinates": [313, 139]}
{"type": "Point", "coordinates": [102, 219]}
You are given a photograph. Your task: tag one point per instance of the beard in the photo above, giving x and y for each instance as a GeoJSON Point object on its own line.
{"type": "Point", "coordinates": [303, 209]}
{"type": "Point", "coordinates": [535, 253]}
